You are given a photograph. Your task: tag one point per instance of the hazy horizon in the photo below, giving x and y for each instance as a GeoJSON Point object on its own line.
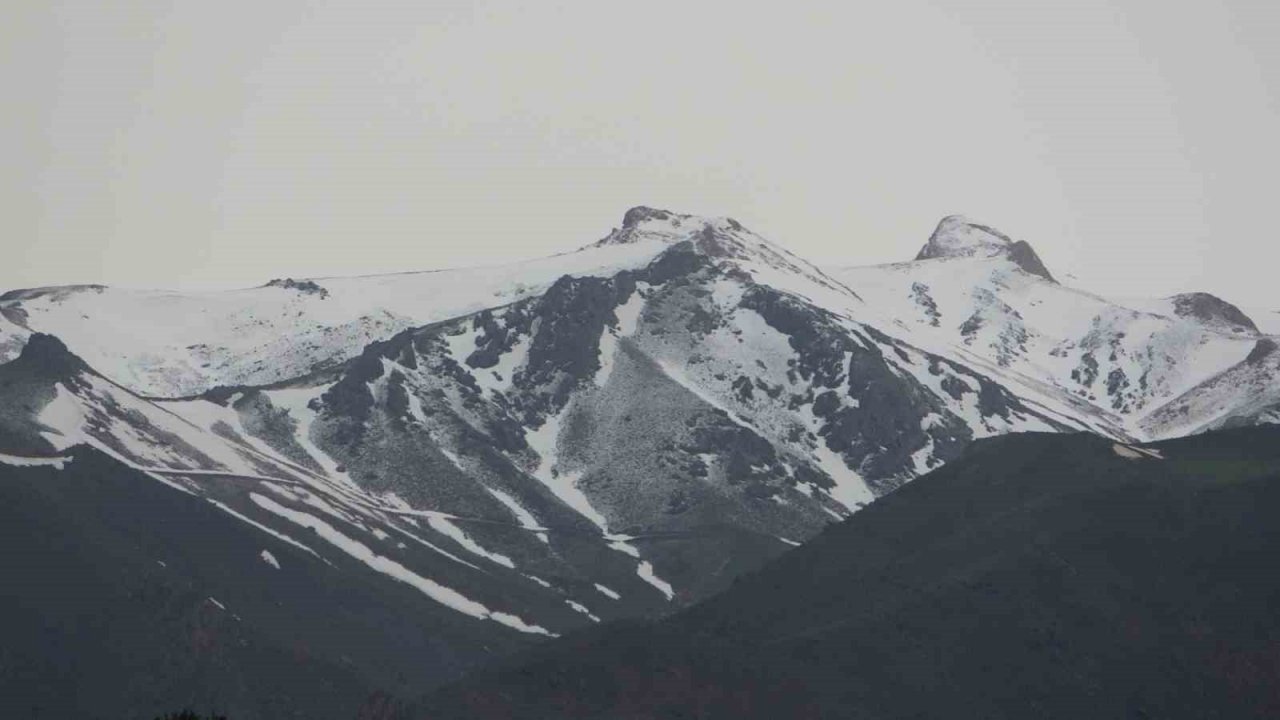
{"type": "Point", "coordinates": [184, 146]}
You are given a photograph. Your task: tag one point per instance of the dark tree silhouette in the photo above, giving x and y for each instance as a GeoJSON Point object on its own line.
{"type": "Point", "coordinates": [189, 715]}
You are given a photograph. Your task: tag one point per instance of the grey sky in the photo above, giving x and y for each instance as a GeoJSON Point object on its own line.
{"type": "Point", "coordinates": [219, 144]}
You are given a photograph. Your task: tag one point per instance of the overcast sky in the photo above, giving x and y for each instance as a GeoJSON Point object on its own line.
{"type": "Point", "coordinates": [1134, 143]}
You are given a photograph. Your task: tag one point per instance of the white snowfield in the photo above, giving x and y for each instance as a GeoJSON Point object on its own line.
{"type": "Point", "coordinates": [1107, 365]}
{"type": "Point", "coordinates": [168, 344]}
{"type": "Point", "coordinates": [57, 462]}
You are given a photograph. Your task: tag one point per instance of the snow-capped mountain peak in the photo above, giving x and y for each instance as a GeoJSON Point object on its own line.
{"type": "Point", "coordinates": [957, 236]}
{"type": "Point", "coordinates": [642, 223]}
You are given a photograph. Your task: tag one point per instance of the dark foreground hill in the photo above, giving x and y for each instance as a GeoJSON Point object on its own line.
{"type": "Point", "coordinates": [1037, 576]}
{"type": "Point", "coordinates": [124, 598]}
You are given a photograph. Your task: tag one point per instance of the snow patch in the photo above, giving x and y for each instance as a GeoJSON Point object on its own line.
{"type": "Point", "coordinates": [626, 548]}
{"type": "Point", "coordinates": [443, 595]}
{"type": "Point", "coordinates": [1126, 451]}
{"type": "Point", "coordinates": [63, 417]}
{"type": "Point", "coordinates": [523, 516]}
{"type": "Point", "coordinates": [628, 313]}
{"type": "Point", "coordinates": [446, 526]}
{"type": "Point", "coordinates": [498, 378]}
{"type": "Point", "coordinates": [1135, 453]}
{"type": "Point", "coordinates": [431, 546]}
{"type": "Point", "coordinates": [646, 573]}
{"type": "Point", "coordinates": [582, 609]}
{"type": "Point", "coordinates": [564, 486]}
{"type": "Point", "coordinates": [274, 533]}
{"type": "Point", "coordinates": [296, 401]}
{"type": "Point", "coordinates": [23, 461]}
{"type": "Point", "coordinates": [461, 345]}
{"type": "Point", "coordinates": [684, 381]}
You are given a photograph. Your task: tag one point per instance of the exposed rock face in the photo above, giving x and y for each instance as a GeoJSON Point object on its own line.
{"type": "Point", "coordinates": [1213, 310]}
{"type": "Point", "coordinates": [27, 385]}
{"type": "Point", "coordinates": [49, 357]}
{"type": "Point", "coordinates": [564, 353]}
{"type": "Point", "coordinates": [307, 287]}
{"type": "Point", "coordinates": [956, 236]}
{"type": "Point", "coordinates": [1264, 349]}
{"type": "Point", "coordinates": [640, 213]}
{"type": "Point", "coordinates": [1022, 255]}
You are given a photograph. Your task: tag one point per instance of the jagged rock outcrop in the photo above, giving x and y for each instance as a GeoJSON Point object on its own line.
{"type": "Point", "coordinates": [956, 236]}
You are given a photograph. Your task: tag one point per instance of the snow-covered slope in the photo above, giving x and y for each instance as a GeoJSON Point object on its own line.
{"type": "Point", "coordinates": [256, 462]}
{"type": "Point", "coordinates": [1247, 393]}
{"type": "Point", "coordinates": [971, 296]}
{"type": "Point", "coordinates": [170, 344]}
{"type": "Point", "coordinates": [1201, 308]}
{"type": "Point", "coordinates": [683, 396]}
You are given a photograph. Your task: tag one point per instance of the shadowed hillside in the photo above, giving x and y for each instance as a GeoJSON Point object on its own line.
{"type": "Point", "coordinates": [1036, 576]}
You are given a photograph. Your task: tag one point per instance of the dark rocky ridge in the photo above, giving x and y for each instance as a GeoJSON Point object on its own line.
{"type": "Point", "coordinates": [1263, 349]}
{"type": "Point", "coordinates": [306, 287]}
{"type": "Point", "coordinates": [27, 385]}
{"type": "Point", "coordinates": [640, 213]}
{"type": "Point", "coordinates": [55, 290]}
{"type": "Point", "coordinates": [1213, 310]}
{"type": "Point", "coordinates": [1025, 257]}
{"type": "Point", "coordinates": [48, 357]}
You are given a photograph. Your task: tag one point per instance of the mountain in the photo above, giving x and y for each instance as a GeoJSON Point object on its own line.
{"type": "Point", "coordinates": [1120, 368]}
{"type": "Point", "coordinates": [1051, 576]}
{"type": "Point", "coordinates": [693, 381]}
{"type": "Point", "coordinates": [615, 432]}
